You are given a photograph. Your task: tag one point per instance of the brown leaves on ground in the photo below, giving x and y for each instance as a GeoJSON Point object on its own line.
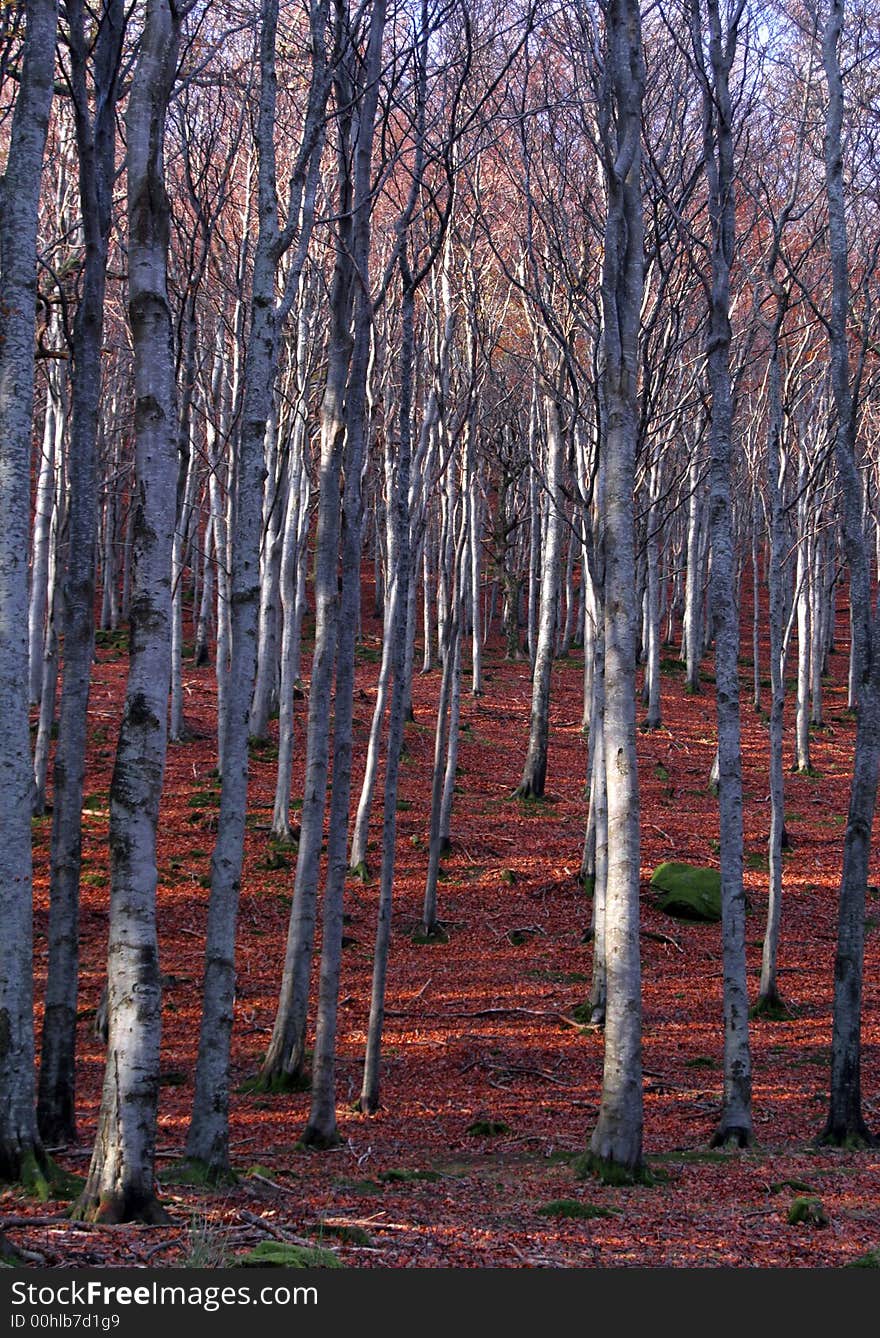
{"type": "Point", "coordinates": [490, 1086]}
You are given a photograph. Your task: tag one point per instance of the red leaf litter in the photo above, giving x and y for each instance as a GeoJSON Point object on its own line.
{"type": "Point", "coordinates": [480, 1028]}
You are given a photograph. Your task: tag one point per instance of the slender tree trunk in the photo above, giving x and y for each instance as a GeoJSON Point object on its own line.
{"type": "Point", "coordinates": [320, 1130]}
{"type": "Point", "coordinates": [845, 1121]}
{"type": "Point", "coordinates": [535, 769]}
{"type": "Point", "coordinates": [121, 1179]}
{"type": "Point", "coordinates": [768, 994]}
{"type": "Point", "coordinates": [735, 1124]}
{"type": "Point", "coordinates": [802, 710]}
{"type": "Point", "coordinates": [617, 1138]}
{"type": "Point", "coordinates": [654, 719]}
{"type": "Point", "coordinates": [291, 579]}
{"type": "Point", "coordinates": [274, 509]}
{"type": "Point", "coordinates": [693, 592]}
{"type": "Point", "coordinates": [20, 1152]}
{"type": "Point", "coordinates": [45, 501]}
{"type": "Point", "coordinates": [208, 1136]}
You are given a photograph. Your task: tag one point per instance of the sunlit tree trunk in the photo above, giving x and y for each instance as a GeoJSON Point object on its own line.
{"type": "Point", "coordinates": [617, 1138]}
{"type": "Point", "coordinates": [208, 1136]}
{"type": "Point", "coordinates": [20, 1151]}
{"type": "Point", "coordinates": [714, 55]}
{"type": "Point", "coordinates": [121, 1179]}
{"type": "Point", "coordinates": [535, 769]}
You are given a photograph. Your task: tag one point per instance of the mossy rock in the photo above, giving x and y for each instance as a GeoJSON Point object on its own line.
{"type": "Point", "coordinates": [278, 1254]}
{"type": "Point", "coordinates": [688, 891]}
{"type": "Point", "coordinates": [573, 1208]}
{"type": "Point", "coordinates": [807, 1210]}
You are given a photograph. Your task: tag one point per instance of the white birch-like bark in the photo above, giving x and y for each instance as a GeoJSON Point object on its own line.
{"type": "Point", "coordinates": [177, 726]}
{"type": "Point", "coordinates": [292, 580]}
{"type": "Point", "coordinates": [20, 1151]}
{"type": "Point", "coordinates": [208, 1135]}
{"type": "Point", "coordinates": [535, 769]}
{"type": "Point", "coordinates": [285, 1057]}
{"type": "Point", "coordinates": [45, 501]}
{"type": "Point", "coordinates": [121, 1179]}
{"type": "Point", "coordinates": [692, 631]}
{"type": "Point", "coordinates": [49, 686]}
{"type": "Point", "coordinates": [320, 1130]}
{"type": "Point", "coordinates": [802, 707]}
{"type": "Point", "coordinates": [274, 510]}
{"type": "Point", "coordinates": [714, 54]}
{"type": "Point", "coordinates": [617, 1137]}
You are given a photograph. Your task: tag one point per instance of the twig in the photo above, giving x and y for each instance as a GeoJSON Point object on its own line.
{"type": "Point", "coordinates": [286, 1237]}
{"type": "Point", "coordinates": [662, 938]}
{"type": "Point", "coordinates": [163, 1245]}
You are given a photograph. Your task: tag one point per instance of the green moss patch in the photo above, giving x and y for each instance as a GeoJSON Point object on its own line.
{"type": "Point", "coordinates": [807, 1210]}
{"type": "Point", "coordinates": [688, 891]}
{"type": "Point", "coordinates": [398, 1175]}
{"type": "Point", "coordinates": [196, 1175]}
{"type": "Point", "coordinates": [278, 1254]}
{"type": "Point", "coordinates": [869, 1260]}
{"type": "Point", "coordinates": [799, 1186]}
{"type": "Point", "coordinates": [614, 1174]}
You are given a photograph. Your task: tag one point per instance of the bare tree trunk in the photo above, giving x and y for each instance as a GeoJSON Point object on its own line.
{"type": "Point", "coordinates": [21, 1156]}
{"type": "Point", "coordinates": [208, 1136]}
{"type": "Point", "coordinates": [451, 666]}
{"type": "Point", "coordinates": [653, 720]}
{"type": "Point", "coordinates": [121, 1179]}
{"type": "Point", "coordinates": [292, 582]}
{"type": "Point", "coordinates": [768, 993]}
{"type": "Point", "coordinates": [845, 1121]}
{"type": "Point", "coordinates": [617, 1138]}
{"type": "Point", "coordinates": [693, 594]}
{"type": "Point", "coordinates": [285, 1057]}
{"type": "Point", "coordinates": [735, 1124]}
{"type": "Point", "coordinates": [274, 509]}
{"type": "Point", "coordinates": [49, 689]}
{"type": "Point", "coordinates": [320, 1130]}
{"type": "Point", "coordinates": [802, 715]}
{"type": "Point", "coordinates": [45, 501]}
{"type": "Point", "coordinates": [535, 769]}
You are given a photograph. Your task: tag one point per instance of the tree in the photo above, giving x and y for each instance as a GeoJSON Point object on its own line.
{"type": "Point", "coordinates": [120, 1185]}
{"type": "Point", "coordinates": [845, 1119]}
{"type": "Point", "coordinates": [96, 145]}
{"type": "Point", "coordinates": [616, 1140]}
{"type": "Point", "coordinates": [713, 67]}
{"type": "Point", "coordinates": [208, 1137]}
{"type": "Point", "coordinates": [21, 1155]}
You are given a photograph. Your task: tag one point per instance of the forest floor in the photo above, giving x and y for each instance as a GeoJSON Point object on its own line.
{"type": "Point", "coordinates": [479, 1031]}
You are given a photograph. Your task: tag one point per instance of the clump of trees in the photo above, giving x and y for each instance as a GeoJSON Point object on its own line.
{"type": "Point", "coordinates": [564, 319]}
